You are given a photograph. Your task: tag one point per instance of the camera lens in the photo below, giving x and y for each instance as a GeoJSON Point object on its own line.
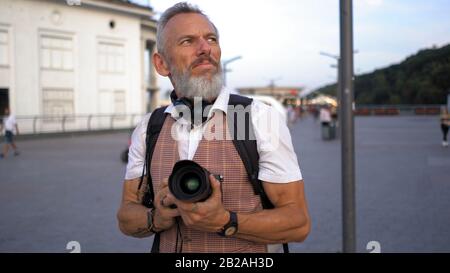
{"type": "Point", "coordinates": [189, 181]}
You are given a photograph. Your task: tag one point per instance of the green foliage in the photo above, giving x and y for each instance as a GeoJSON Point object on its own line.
{"type": "Point", "coordinates": [423, 78]}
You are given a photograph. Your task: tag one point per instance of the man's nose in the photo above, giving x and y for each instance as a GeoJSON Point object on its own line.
{"type": "Point", "coordinates": [203, 47]}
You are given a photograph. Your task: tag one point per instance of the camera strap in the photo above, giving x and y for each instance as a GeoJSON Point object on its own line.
{"type": "Point", "coordinates": [154, 126]}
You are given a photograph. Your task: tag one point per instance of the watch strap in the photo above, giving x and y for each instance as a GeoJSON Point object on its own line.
{"type": "Point", "coordinates": [231, 227]}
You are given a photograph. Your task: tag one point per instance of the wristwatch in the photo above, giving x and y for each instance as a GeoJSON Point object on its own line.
{"type": "Point", "coordinates": [230, 228]}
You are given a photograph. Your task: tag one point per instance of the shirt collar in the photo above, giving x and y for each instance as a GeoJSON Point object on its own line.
{"type": "Point", "coordinates": [221, 104]}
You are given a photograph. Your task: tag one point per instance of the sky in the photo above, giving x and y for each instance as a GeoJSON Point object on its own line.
{"type": "Point", "coordinates": [280, 40]}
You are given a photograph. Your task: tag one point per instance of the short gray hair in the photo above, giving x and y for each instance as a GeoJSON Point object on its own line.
{"type": "Point", "coordinates": [181, 7]}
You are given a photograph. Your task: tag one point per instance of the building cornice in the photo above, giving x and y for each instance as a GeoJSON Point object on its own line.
{"type": "Point", "coordinates": [129, 9]}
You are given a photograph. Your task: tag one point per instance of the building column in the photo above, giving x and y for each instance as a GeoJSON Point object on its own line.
{"type": "Point", "coordinates": [149, 78]}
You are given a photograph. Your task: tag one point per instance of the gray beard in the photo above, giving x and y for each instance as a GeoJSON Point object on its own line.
{"type": "Point", "coordinates": [192, 87]}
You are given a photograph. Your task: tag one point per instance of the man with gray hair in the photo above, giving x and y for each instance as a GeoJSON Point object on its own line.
{"type": "Point", "coordinates": [232, 218]}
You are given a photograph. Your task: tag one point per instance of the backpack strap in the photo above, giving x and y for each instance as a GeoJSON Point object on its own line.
{"type": "Point", "coordinates": [154, 126]}
{"type": "Point", "coordinates": [246, 146]}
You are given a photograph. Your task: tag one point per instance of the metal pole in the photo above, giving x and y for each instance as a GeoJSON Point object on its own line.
{"type": "Point", "coordinates": [224, 67]}
{"type": "Point", "coordinates": [339, 96]}
{"type": "Point", "coordinates": [347, 133]}
{"type": "Point", "coordinates": [339, 80]}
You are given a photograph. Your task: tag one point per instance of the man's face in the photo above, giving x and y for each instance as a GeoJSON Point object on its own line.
{"type": "Point", "coordinates": [192, 46]}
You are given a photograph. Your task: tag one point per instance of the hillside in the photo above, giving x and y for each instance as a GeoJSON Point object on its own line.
{"type": "Point", "coordinates": [423, 78]}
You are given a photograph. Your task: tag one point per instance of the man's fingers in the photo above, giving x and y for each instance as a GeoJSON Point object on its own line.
{"type": "Point", "coordinates": [185, 206]}
{"type": "Point", "coordinates": [159, 196]}
{"type": "Point", "coordinates": [164, 205]}
{"type": "Point", "coordinates": [215, 184]}
{"type": "Point", "coordinates": [168, 212]}
{"type": "Point", "coordinates": [164, 183]}
{"type": "Point", "coordinates": [169, 200]}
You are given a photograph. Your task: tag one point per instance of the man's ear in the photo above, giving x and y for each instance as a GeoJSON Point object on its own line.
{"type": "Point", "coordinates": [160, 65]}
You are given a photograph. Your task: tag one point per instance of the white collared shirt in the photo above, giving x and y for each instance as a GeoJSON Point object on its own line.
{"type": "Point", "coordinates": [277, 159]}
{"type": "Point", "coordinates": [10, 123]}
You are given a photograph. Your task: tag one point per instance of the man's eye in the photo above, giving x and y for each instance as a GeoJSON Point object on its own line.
{"type": "Point", "coordinates": [212, 39]}
{"type": "Point", "coordinates": [186, 42]}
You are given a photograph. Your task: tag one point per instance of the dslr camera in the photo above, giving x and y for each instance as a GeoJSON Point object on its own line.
{"type": "Point", "coordinates": [189, 181]}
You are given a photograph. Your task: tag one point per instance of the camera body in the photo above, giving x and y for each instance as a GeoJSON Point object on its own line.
{"type": "Point", "coordinates": [190, 182]}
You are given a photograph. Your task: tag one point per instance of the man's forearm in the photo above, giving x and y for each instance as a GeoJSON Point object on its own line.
{"type": "Point", "coordinates": [133, 220]}
{"type": "Point", "coordinates": [269, 238]}
{"type": "Point", "coordinates": [279, 225]}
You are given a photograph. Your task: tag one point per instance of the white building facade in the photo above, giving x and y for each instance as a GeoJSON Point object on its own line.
{"type": "Point", "coordinates": [76, 59]}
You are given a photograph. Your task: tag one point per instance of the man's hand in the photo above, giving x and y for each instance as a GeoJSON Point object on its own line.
{"type": "Point", "coordinates": [209, 216]}
{"type": "Point", "coordinates": [164, 216]}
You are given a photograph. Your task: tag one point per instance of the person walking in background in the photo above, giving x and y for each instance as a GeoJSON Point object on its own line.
{"type": "Point", "coordinates": [325, 115]}
{"type": "Point", "coordinates": [10, 129]}
{"type": "Point", "coordinates": [325, 122]}
{"type": "Point", "coordinates": [292, 115]}
{"type": "Point", "coordinates": [445, 122]}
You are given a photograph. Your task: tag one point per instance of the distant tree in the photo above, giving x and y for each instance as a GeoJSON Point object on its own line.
{"type": "Point", "coordinates": [423, 78]}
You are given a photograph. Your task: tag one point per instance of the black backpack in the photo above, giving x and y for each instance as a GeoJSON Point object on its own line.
{"type": "Point", "coordinates": [245, 146]}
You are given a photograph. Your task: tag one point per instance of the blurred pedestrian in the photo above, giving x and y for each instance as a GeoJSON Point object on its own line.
{"type": "Point", "coordinates": [292, 115]}
{"type": "Point", "coordinates": [445, 123]}
{"type": "Point", "coordinates": [325, 116]}
{"type": "Point", "coordinates": [10, 129]}
{"type": "Point", "coordinates": [326, 122]}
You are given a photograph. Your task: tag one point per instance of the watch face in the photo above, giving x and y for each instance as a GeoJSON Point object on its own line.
{"type": "Point", "coordinates": [230, 231]}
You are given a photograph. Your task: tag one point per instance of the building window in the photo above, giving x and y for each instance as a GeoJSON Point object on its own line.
{"type": "Point", "coordinates": [119, 102]}
{"type": "Point", "coordinates": [56, 52]}
{"type": "Point", "coordinates": [4, 47]}
{"type": "Point", "coordinates": [111, 57]}
{"type": "Point", "coordinates": [58, 102]}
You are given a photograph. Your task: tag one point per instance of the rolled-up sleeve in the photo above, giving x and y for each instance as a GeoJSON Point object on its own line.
{"type": "Point", "coordinates": [277, 159]}
{"type": "Point", "coordinates": [136, 153]}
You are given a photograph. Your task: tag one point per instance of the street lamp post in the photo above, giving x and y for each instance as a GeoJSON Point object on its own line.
{"type": "Point", "coordinates": [348, 132]}
{"type": "Point", "coordinates": [338, 59]}
{"type": "Point", "coordinates": [272, 85]}
{"type": "Point", "coordinates": [346, 97]}
{"type": "Point", "coordinates": [224, 67]}
{"type": "Point", "coordinates": [339, 81]}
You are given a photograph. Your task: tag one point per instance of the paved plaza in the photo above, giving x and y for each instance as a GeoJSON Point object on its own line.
{"type": "Point", "coordinates": [69, 188]}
